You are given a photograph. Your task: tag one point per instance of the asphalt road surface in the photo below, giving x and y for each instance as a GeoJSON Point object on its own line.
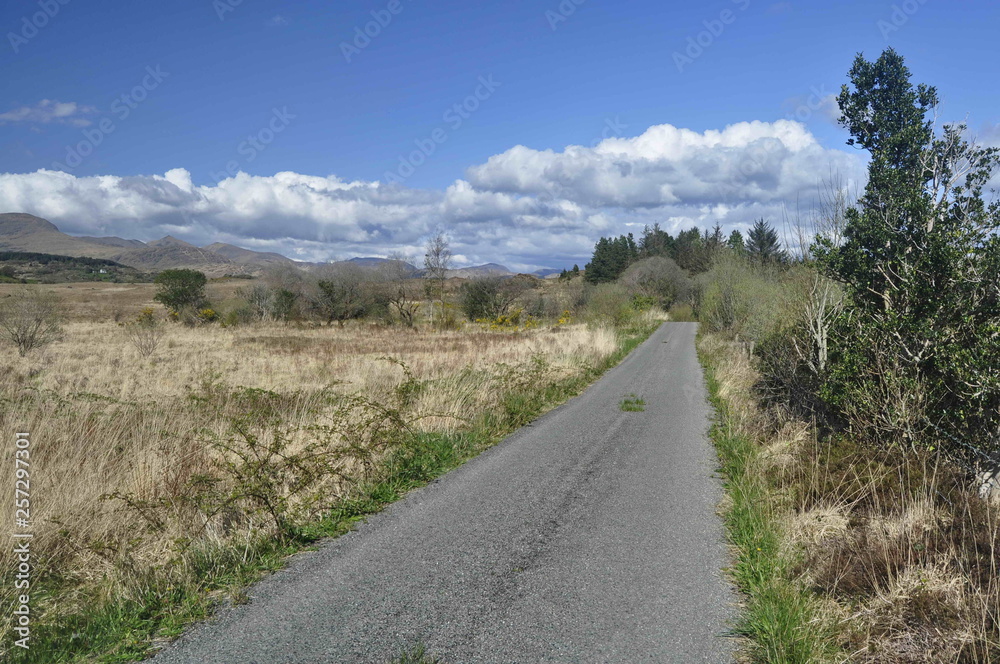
{"type": "Point", "coordinates": [590, 535]}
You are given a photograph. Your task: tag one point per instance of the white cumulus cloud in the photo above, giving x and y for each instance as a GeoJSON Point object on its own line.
{"type": "Point", "coordinates": [525, 208]}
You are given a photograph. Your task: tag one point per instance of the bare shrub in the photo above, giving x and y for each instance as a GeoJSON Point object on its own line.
{"type": "Point", "coordinates": [399, 288]}
{"type": "Point", "coordinates": [492, 297]}
{"type": "Point", "coordinates": [31, 319]}
{"type": "Point", "coordinates": [267, 303]}
{"type": "Point", "coordinates": [144, 332]}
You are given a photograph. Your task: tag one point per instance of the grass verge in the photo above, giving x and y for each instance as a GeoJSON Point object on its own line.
{"type": "Point", "coordinates": [780, 618]}
{"type": "Point", "coordinates": [128, 615]}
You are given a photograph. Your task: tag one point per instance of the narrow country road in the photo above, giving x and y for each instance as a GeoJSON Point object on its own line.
{"type": "Point", "coordinates": [589, 536]}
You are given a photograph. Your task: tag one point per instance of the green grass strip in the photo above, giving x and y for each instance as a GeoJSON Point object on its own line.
{"type": "Point", "coordinates": [779, 619]}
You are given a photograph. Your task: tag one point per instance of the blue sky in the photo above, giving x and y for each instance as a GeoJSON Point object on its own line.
{"type": "Point", "coordinates": [203, 90]}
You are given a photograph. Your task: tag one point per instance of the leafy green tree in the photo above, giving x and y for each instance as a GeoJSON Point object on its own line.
{"type": "Point", "coordinates": [576, 270]}
{"type": "Point", "coordinates": [763, 245]}
{"type": "Point", "coordinates": [920, 262]}
{"type": "Point", "coordinates": [181, 288]}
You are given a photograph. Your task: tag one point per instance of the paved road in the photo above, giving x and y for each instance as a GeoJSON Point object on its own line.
{"type": "Point", "coordinates": [588, 536]}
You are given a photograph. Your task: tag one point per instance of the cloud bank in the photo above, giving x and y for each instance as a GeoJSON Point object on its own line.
{"type": "Point", "coordinates": [525, 208]}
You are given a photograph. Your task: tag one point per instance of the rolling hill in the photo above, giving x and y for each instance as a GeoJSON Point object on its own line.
{"type": "Point", "coordinates": [28, 233]}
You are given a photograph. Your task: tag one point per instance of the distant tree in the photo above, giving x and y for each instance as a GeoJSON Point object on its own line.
{"type": "Point", "coordinates": [181, 289]}
{"type": "Point", "coordinates": [657, 277]}
{"type": "Point", "coordinates": [762, 243]}
{"type": "Point", "coordinates": [564, 275]}
{"type": "Point", "coordinates": [612, 256]}
{"type": "Point", "coordinates": [712, 244]}
{"type": "Point", "coordinates": [401, 291]}
{"type": "Point", "coordinates": [735, 242]}
{"type": "Point", "coordinates": [688, 251]}
{"type": "Point", "coordinates": [268, 303]}
{"type": "Point", "coordinates": [576, 270]}
{"type": "Point", "coordinates": [437, 260]}
{"type": "Point", "coordinates": [491, 297]}
{"type": "Point", "coordinates": [341, 294]}
{"type": "Point", "coordinates": [655, 242]}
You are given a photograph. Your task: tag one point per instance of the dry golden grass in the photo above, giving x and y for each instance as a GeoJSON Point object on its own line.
{"type": "Point", "coordinates": [103, 419]}
{"type": "Point", "coordinates": [90, 302]}
{"type": "Point", "coordinates": [902, 553]}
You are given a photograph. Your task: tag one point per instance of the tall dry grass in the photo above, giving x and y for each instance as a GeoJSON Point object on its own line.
{"type": "Point", "coordinates": [106, 421]}
{"type": "Point", "coordinates": [898, 549]}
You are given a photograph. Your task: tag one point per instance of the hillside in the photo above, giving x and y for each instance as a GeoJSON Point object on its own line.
{"type": "Point", "coordinates": [29, 267]}
{"type": "Point", "coordinates": [28, 233]}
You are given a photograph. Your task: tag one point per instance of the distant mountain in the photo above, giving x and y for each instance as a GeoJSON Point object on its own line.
{"type": "Point", "coordinates": [170, 241]}
{"type": "Point", "coordinates": [375, 261]}
{"type": "Point", "coordinates": [543, 273]}
{"type": "Point", "coordinates": [113, 241]}
{"type": "Point", "coordinates": [25, 232]}
{"type": "Point", "coordinates": [246, 256]}
{"type": "Point", "coordinates": [488, 270]}
{"type": "Point", "coordinates": [157, 256]}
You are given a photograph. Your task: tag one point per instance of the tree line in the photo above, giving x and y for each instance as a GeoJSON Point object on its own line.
{"type": "Point", "coordinates": [693, 250]}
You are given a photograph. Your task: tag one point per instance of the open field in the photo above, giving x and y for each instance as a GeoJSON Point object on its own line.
{"type": "Point", "coordinates": [104, 302]}
{"type": "Point", "coordinates": [143, 466]}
